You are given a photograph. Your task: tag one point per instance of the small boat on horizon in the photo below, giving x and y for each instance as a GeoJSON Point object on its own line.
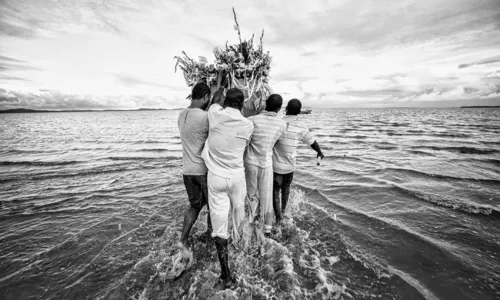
{"type": "Point", "coordinates": [306, 111]}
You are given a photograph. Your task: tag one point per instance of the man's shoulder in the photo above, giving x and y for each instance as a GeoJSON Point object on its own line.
{"type": "Point", "coordinates": [264, 118]}
{"type": "Point", "coordinates": [295, 122]}
{"type": "Point", "coordinates": [282, 122]}
{"type": "Point", "coordinates": [192, 116]}
{"type": "Point", "coordinates": [199, 113]}
{"type": "Point", "coordinates": [183, 111]}
{"type": "Point", "coordinates": [248, 121]}
{"type": "Point", "coordinates": [215, 107]}
{"type": "Point", "coordinates": [294, 125]}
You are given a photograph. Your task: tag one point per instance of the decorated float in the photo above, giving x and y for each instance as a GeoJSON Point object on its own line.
{"type": "Point", "coordinates": [245, 66]}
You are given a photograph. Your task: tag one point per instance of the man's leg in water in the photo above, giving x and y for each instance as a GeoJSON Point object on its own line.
{"type": "Point", "coordinates": [265, 178]}
{"type": "Point", "coordinates": [237, 195]}
{"type": "Point", "coordinates": [277, 181]}
{"type": "Point", "coordinates": [251, 177]}
{"type": "Point", "coordinates": [218, 198]}
{"type": "Point", "coordinates": [195, 195]}
{"type": "Point", "coordinates": [285, 192]}
{"type": "Point", "coordinates": [204, 187]}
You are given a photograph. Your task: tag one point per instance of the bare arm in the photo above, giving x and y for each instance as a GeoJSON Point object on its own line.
{"type": "Point", "coordinates": [218, 98]}
{"type": "Point", "coordinates": [316, 148]}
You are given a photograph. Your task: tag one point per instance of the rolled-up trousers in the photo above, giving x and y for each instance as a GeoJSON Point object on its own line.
{"type": "Point", "coordinates": [222, 194]}
{"type": "Point", "coordinates": [260, 193]}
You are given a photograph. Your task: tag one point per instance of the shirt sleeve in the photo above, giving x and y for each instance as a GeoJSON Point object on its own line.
{"type": "Point", "coordinates": [307, 136]}
{"type": "Point", "coordinates": [179, 120]}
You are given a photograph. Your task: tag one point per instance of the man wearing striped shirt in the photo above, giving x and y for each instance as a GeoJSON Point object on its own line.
{"type": "Point", "coordinates": [268, 129]}
{"type": "Point", "coordinates": [285, 153]}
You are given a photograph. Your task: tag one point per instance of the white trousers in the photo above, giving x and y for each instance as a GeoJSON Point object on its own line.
{"type": "Point", "coordinates": [222, 194]}
{"type": "Point", "coordinates": [260, 193]}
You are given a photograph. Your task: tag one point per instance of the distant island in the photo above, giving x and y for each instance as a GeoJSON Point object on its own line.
{"type": "Point", "coordinates": [26, 110]}
{"type": "Point", "coordinates": [486, 106]}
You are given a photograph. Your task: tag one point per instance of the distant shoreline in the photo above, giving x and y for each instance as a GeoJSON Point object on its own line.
{"type": "Point", "coordinates": [486, 106]}
{"type": "Point", "coordinates": [25, 110]}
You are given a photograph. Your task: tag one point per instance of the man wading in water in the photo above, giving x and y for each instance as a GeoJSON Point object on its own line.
{"type": "Point", "coordinates": [229, 135]}
{"type": "Point", "coordinates": [285, 153]}
{"type": "Point", "coordinates": [193, 128]}
{"type": "Point", "coordinates": [258, 160]}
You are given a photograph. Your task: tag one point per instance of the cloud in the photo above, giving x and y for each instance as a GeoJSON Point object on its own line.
{"type": "Point", "coordinates": [10, 60]}
{"type": "Point", "coordinates": [490, 60]}
{"type": "Point", "coordinates": [369, 25]}
{"type": "Point", "coordinates": [12, 29]}
{"type": "Point", "coordinates": [55, 100]}
{"type": "Point", "coordinates": [8, 78]}
{"type": "Point", "coordinates": [373, 93]}
{"type": "Point", "coordinates": [134, 81]}
{"type": "Point", "coordinates": [325, 52]}
{"type": "Point", "coordinates": [9, 63]}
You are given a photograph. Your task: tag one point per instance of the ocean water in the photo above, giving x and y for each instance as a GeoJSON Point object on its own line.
{"type": "Point", "coordinates": [406, 205]}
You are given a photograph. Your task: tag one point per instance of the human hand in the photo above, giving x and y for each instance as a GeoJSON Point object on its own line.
{"type": "Point", "coordinates": [218, 96]}
{"type": "Point", "coordinates": [319, 158]}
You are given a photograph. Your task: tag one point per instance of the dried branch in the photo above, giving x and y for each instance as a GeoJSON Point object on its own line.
{"type": "Point", "coordinates": [237, 25]}
{"type": "Point", "coordinates": [261, 38]}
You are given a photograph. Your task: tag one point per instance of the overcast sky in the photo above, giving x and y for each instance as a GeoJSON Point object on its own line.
{"type": "Point", "coordinates": [340, 53]}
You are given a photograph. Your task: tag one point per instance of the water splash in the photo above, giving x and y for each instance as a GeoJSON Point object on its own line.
{"type": "Point", "coordinates": [286, 266]}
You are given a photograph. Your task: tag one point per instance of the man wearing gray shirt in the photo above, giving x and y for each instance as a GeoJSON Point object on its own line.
{"type": "Point", "coordinates": [193, 128]}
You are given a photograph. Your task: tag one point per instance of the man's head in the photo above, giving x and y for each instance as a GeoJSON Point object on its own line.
{"type": "Point", "coordinates": [234, 98]}
{"type": "Point", "coordinates": [274, 103]}
{"type": "Point", "coordinates": [200, 91]}
{"type": "Point", "coordinates": [293, 107]}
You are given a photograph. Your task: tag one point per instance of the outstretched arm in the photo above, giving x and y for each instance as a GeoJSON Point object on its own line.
{"type": "Point", "coordinates": [217, 98]}
{"type": "Point", "coordinates": [316, 148]}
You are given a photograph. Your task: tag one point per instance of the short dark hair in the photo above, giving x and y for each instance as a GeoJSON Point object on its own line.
{"type": "Point", "coordinates": [293, 107]}
{"type": "Point", "coordinates": [274, 102]}
{"type": "Point", "coordinates": [234, 98]}
{"type": "Point", "coordinates": [200, 90]}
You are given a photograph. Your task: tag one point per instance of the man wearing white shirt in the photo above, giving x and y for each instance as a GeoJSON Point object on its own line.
{"type": "Point", "coordinates": [229, 135]}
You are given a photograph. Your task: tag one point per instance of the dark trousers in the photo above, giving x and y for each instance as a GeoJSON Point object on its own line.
{"type": "Point", "coordinates": [281, 182]}
{"type": "Point", "coordinates": [196, 188]}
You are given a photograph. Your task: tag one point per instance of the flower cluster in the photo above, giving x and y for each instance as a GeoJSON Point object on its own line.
{"type": "Point", "coordinates": [196, 71]}
{"type": "Point", "coordinates": [243, 61]}
{"type": "Point", "coordinates": [243, 66]}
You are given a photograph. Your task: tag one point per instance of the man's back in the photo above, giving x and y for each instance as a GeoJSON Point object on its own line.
{"type": "Point", "coordinates": [229, 134]}
{"type": "Point", "coordinates": [193, 128]}
{"type": "Point", "coordinates": [268, 130]}
{"type": "Point", "coordinates": [285, 151]}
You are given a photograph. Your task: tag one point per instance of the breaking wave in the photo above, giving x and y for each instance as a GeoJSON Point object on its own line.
{"type": "Point", "coordinates": [438, 176]}
{"type": "Point", "coordinates": [462, 150]}
{"type": "Point", "coordinates": [449, 202]}
{"type": "Point", "coordinates": [39, 163]}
